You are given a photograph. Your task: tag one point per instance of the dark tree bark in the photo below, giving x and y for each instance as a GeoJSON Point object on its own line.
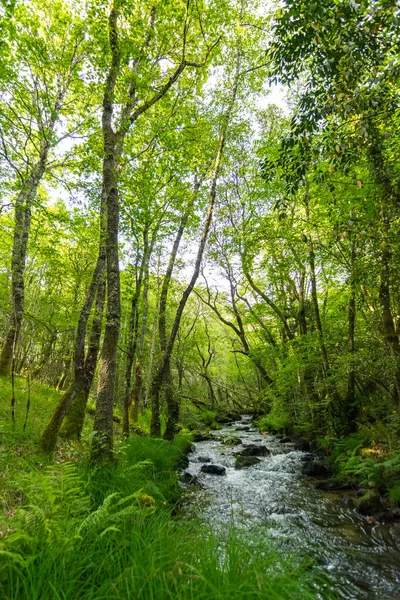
{"type": "Point", "coordinates": [315, 303]}
{"type": "Point", "coordinates": [350, 400]}
{"type": "Point", "coordinates": [390, 197]}
{"type": "Point", "coordinates": [205, 363]}
{"type": "Point", "coordinates": [390, 333]}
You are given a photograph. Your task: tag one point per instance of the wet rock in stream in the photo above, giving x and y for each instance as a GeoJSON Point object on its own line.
{"type": "Point", "coordinates": [189, 479]}
{"type": "Point", "coordinates": [370, 503]}
{"type": "Point", "coordinates": [315, 469]}
{"type": "Point", "coordinates": [285, 440]}
{"type": "Point", "coordinates": [213, 469]}
{"type": "Point", "coordinates": [254, 450]}
{"type": "Point", "coordinates": [246, 461]}
{"type": "Point", "coordinates": [330, 485]}
{"type": "Point", "coordinates": [199, 436]}
{"type": "Point", "coordinates": [203, 459]}
{"type": "Point", "coordinates": [182, 463]}
{"type": "Point", "coordinates": [230, 441]}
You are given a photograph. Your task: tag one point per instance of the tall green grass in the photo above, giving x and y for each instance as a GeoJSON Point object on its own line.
{"type": "Point", "coordinates": [73, 539]}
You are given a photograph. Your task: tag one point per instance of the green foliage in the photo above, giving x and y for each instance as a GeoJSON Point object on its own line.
{"type": "Point", "coordinates": [276, 420]}
{"type": "Point", "coordinates": [208, 418]}
{"type": "Point", "coordinates": [394, 494]}
{"type": "Point", "coordinates": [370, 466]}
{"type": "Point", "coordinates": [347, 447]}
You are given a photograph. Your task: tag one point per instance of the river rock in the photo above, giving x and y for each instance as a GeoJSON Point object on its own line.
{"type": "Point", "coordinates": [199, 436]}
{"type": "Point", "coordinates": [254, 450]}
{"type": "Point", "coordinates": [285, 440]}
{"type": "Point", "coordinates": [228, 418]}
{"type": "Point", "coordinates": [234, 416]}
{"type": "Point", "coordinates": [190, 479]}
{"type": "Point", "coordinates": [203, 459]}
{"type": "Point", "coordinates": [243, 428]}
{"type": "Point", "coordinates": [315, 469]}
{"type": "Point", "coordinates": [213, 469]}
{"type": "Point", "coordinates": [242, 462]}
{"type": "Point", "coordinates": [231, 441]}
{"type": "Point", "coordinates": [302, 445]}
{"type": "Point", "coordinates": [182, 463]}
{"type": "Point", "coordinates": [370, 503]}
{"type": "Point", "coordinates": [330, 485]}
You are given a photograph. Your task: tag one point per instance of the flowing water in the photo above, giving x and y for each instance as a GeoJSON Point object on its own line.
{"type": "Point", "coordinates": [361, 559]}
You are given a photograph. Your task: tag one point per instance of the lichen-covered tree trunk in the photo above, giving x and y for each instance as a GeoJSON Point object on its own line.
{"type": "Point", "coordinates": [82, 370]}
{"type": "Point", "coordinates": [102, 444]}
{"type": "Point", "coordinates": [133, 336]}
{"type": "Point", "coordinates": [138, 385]}
{"type": "Point", "coordinates": [75, 417]}
{"type": "Point", "coordinates": [23, 212]}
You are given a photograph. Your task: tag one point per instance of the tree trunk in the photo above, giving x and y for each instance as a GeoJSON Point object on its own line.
{"type": "Point", "coordinates": [133, 336]}
{"type": "Point", "coordinates": [23, 213]}
{"type": "Point", "coordinates": [81, 370]}
{"type": "Point", "coordinates": [102, 444]}
{"type": "Point", "coordinates": [172, 405]}
{"type": "Point", "coordinates": [166, 356]}
{"type": "Point", "coordinates": [75, 417]}
{"type": "Point", "coordinates": [391, 336]}
{"type": "Point", "coordinates": [350, 402]}
{"type": "Point", "coordinates": [155, 398]}
{"type": "Point", "coordinates": [113, 144]}
{"type": "Point", "coordinates": [137, 388]}
{"type": "Point", "coordinates": [390, 196]}
{"type": "Point", "coordinates": [314, 297]}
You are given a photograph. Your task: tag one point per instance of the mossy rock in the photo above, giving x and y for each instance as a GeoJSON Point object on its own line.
{"type": "Point", "coordinates": [242, 462]}
{"type": "Point", "coordinates": [370, 503]}
{"type": "Point", "coordinates": [231, 441]}
{"type": "Point", "coordinates": [201, 436]}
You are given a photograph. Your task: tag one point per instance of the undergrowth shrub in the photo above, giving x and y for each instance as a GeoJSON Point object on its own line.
{"type": "Point", "coordinates": [275, 421]}
{"type": "Point", "coordinates": [208, 418]}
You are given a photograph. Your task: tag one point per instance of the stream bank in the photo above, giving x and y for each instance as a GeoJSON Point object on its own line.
{"type": "Point", "coordinates": [273, 500]}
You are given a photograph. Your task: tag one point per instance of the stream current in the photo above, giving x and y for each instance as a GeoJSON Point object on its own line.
{"type": "Point", "coordinates": [360, 558]}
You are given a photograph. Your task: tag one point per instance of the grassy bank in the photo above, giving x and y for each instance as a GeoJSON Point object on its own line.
{"type": "Point", "coordinates": [71, 532]}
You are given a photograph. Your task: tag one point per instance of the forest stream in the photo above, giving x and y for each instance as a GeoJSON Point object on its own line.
{"type": "Point", "coordinates": [359, 558]}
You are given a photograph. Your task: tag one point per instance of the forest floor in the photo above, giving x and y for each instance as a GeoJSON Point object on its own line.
{"type": "Point", "coordinates": [68, 531]}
